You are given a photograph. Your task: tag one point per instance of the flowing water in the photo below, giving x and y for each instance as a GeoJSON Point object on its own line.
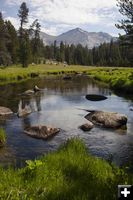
{"type": "Point", "coordinates": [58, 105]}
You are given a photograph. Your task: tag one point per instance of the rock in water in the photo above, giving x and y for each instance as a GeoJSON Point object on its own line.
{"type": "Point", "coordinates": [42, 132]}
{"type": "Point", "coordinates": [107, 119]}
{"type": "Point", "coordinates": [87, 127]}
{"type": "Point", "coordinates": [32, 92]}
{"type": "Point", "coordinates": [36, 88]}
{"type": "Point", "coordinates": [95, 97]}
{"type": "Point", "coordinates": [5, 111]}
{"type": "Point", "coordinates": [28, 92]}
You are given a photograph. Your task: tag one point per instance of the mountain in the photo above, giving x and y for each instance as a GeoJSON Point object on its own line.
{"type": "Point", "coordinates": [78, 36]}
{"type": "Point", "coordinates": [47, 39]}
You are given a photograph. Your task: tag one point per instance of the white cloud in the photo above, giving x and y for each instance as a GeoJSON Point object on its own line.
{"type": "Point", "coordinates": [14, 21]}
{"type": "Point", "coordinates": [62, 13]}
{"type": "Point", "coordinates": [50, 30]}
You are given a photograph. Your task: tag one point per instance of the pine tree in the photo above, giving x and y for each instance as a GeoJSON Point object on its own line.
{"type": "Point", "coordinates": [12, 44]}
{"type": "Point", "coordinates": [62, 52]}
{"type": "Point", "coordinates": [5, 58]}
{"type": "Point", "coordinates": [36, 42]}
{"type": "Point", "coordinates": [126, 9]}
{"type": "Point", "coordinates": [55, 49]}
{"type": "Point", "coordinates": [24, 43]}
{"type": "Point", "coordinates": [67, 54]}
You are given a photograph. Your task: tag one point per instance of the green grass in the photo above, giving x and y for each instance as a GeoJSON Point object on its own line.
{"type": "Point", "coordinates": [2, 137]}
{"type": "Point", "coordinates": [71, 173]}
{"type": "Point", "coordinates": [119, 79]}
{"type": "Point", "coordinates": [17, 73]}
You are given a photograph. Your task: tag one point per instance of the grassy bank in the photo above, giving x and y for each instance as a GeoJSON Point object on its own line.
{"type": "Point", "coordinates": [119, 79]}
{"type": "Point", "coordinates": [68, 174]}
{"type": "Point", "coordinates": [16, 73]}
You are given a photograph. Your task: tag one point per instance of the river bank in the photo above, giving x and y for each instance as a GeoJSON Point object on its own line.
{"type": "Point", "coordinates": [15, 74]}
{"type": "Point", "coordinates": [118, 79]}
{"type": "Point", "coordinates": [69, 173]}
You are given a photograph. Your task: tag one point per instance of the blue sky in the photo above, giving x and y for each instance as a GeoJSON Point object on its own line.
{"type": "Point", "coordinates": [58, 16]}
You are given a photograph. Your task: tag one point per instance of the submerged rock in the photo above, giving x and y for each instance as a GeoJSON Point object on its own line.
{"type": "Point", "coordinates": [107, 119]}
{"type": "Point", "coordinates": [95, 97]}
{"type": "Point", "coordinates": [5, 111]}
{"type": "Point", "coordinates": [42, 132]}
{"type": "Point", "coordinates": [87, 127]}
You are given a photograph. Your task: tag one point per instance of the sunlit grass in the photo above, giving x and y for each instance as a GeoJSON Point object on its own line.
{"type": "Point", "coordinates": [116, 78]}
{"type": "Point", "coordinates": [17, 73]}
{"type": "Point", "coordinates": [71, 173]}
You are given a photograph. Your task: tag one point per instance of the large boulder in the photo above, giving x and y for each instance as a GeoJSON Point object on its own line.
{"type": "Point", "coordinates": [42, 132]}
{"type": "Point", "coordinates": [5, 111]}
{"type": "Point", "coordinates": [107, 119]}
{"type": "Point", "coordinates": [95, 97]}
{"type": "Point", "coordinates": [87, 127]}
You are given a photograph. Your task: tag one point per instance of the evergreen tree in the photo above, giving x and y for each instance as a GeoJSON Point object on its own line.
{"type": "Point", "coordinates": [67, 54]}
{"type": "Point", "coordinates": [5, 58]}
{"type": "Point", "coordinates": [55, 49]}
{"type": "Point", "coordinates": [36, 42]}
{"type": "Point", "coordinates": [62, 52]}
{"type": "Point", "coordinates": [24, 43]}
{"type": "Point", "coordinates": [12, 44]}
{"type": "Point", "coordinates": [126, 9]}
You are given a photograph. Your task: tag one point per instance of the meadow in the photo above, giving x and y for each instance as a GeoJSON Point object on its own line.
{"type": "Point", "coordinates": [118, 79]}
{"type": "Point", "coordinates": [70, 173]}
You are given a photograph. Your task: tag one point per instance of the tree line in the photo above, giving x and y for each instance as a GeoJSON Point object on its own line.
{"type": "Point", "coordinates": [25, 45]}
{"type": "Point", "coordinates": [107, 54]}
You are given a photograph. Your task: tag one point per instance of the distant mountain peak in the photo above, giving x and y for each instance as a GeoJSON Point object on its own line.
{"type": "Point", "coordinates": [78, 36]}
{"type": "Point", "coordinates": [79, 29]}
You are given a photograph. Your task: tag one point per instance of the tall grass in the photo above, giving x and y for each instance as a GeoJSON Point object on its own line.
{"type": "Point", "coordinates": [119, 79]}
{"type": "Point", "coordinates": [15, 74]}
{"type": "Point", "coordinates": [71, 173]}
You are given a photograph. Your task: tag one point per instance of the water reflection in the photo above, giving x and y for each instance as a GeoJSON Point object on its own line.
{"type": "Point", "coordinates": [58, 105]}
{"type": "Point", "coordinates": [38, 102]}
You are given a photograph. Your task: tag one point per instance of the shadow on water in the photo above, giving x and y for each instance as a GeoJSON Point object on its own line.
{"type": "Point", "coordinates": [57, 105]}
